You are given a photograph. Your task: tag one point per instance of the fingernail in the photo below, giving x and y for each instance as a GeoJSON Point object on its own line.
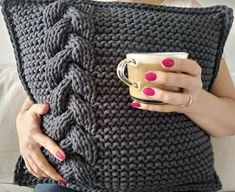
{"type": "Point", "coordinates": [150, 76]}
{"type": "Point", "coordinates": [149, 91]}
{"type": "Point", "coordinates": [135, 104]}
{"type": "Point", "coordinates": [62, 182]}
{"type": "Point", "coordinates": [168, 62]}
{"type": "Point", "coordinates": [60, 156]}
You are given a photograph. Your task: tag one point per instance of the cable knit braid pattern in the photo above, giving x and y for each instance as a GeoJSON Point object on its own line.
{"type": "Point", "coordinates": [67, 53]}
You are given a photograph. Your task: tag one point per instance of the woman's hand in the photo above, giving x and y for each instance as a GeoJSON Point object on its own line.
{"type": "Point", "coordinates": [31, 138]}
{"type": "Point", "coordinates": [189, 79]}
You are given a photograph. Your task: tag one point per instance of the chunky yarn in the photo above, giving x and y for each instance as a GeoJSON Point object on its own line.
{"type": "Point", "coordinates": [67, 53]}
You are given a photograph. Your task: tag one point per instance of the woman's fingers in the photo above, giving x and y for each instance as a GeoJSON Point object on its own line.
{"type": "Point", "coordinates": [159, 108]}
{"type": "Point", "coordinates": [39, 109]}
{"type": "Point", "coordinates": [49, 144]}
{"type": "Point", "coordinates": [26, 105]}
{"type": "Point", "coordinates": [35, 167]}
{"type": "Point", "coordinates": [31, 139]}
{"type": "Point", "coordinates": [174, 79]}
{"type": "Point", "coordinates": [188, 66]}
{"type": "Point", "coordinates": [27, 164]}
{"type": "Point", "coordinates": [173, 98]}
{"type": "Point", "coordinates": [42, 163]}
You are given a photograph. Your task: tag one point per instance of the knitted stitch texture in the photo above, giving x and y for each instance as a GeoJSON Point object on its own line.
{"type": "Point", "coordinates": [67, 53]}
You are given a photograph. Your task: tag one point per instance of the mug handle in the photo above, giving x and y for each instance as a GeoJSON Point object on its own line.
{"type": "Point", "coordinates": [121, 72]}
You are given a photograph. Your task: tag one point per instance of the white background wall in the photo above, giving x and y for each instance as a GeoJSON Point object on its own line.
{"type": "Point", "coordinates": [7, 56]}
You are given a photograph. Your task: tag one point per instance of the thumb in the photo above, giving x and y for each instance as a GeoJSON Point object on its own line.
{"type": "Point", "coordinates": [40, 109]}
{"type": "Point", "coordinates": [50, 145]}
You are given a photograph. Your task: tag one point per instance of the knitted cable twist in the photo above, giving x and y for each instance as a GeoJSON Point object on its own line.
{"type": "Point", "coordinates": [72, 92]}
{"type": "Point", "coordinates": [67, 53]}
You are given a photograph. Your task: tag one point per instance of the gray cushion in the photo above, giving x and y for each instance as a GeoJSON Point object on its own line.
{"type": "Point", "coordinates": [67, 53]}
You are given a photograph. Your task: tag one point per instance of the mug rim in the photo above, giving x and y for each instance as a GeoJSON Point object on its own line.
{"type": "Point", "coordinates": [154, 54]}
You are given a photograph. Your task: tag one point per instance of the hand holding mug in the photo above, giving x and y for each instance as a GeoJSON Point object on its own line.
{"type": "Point", "coordinates": [176, 72]}
{"type": "Point", "coordinates": [189, 79]}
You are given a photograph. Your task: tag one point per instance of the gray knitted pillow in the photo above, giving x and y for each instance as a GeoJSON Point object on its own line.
{"type": "Point", "coordinates": [67, 53]}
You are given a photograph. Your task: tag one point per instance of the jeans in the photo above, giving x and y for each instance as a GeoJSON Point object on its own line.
{"type": "Point", "coordinates": [51, 188]}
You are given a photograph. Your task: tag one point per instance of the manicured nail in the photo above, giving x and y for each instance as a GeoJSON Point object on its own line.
{"type": "Point", "coordinates": [149, 91]}
{"type": "Point", "coordinates": [150, 76]}
{"type": "Point", "coordinates": [168, 62]}
{"type": "Point", "coordinates": [60, 156]}
{"type": "Point", "coordinates": [62, 182]}
{"type": "Point", "coordinates": [135, 104]}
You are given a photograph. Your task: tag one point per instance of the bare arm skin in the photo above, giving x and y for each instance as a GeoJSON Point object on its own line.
{"type": "Point", "coordinates": [215, 112]}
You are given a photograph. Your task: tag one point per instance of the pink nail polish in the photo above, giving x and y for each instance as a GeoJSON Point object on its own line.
{"type": "Point", "coordinates": [135, 104]}
{"type": "Point", "coordinates": [148, 91]}
{"type": "Point", "coordinates": [62, 182]}
{"type": "Point", "coordinates": [60, 156]}
{"type": "Point", "coordinates": [150, 76]}
{"type": "Point", "coordinates": [168, 62]}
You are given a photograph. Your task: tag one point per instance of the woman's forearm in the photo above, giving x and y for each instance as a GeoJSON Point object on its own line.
{"type": "Point", "coordinates": [215, 115]}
